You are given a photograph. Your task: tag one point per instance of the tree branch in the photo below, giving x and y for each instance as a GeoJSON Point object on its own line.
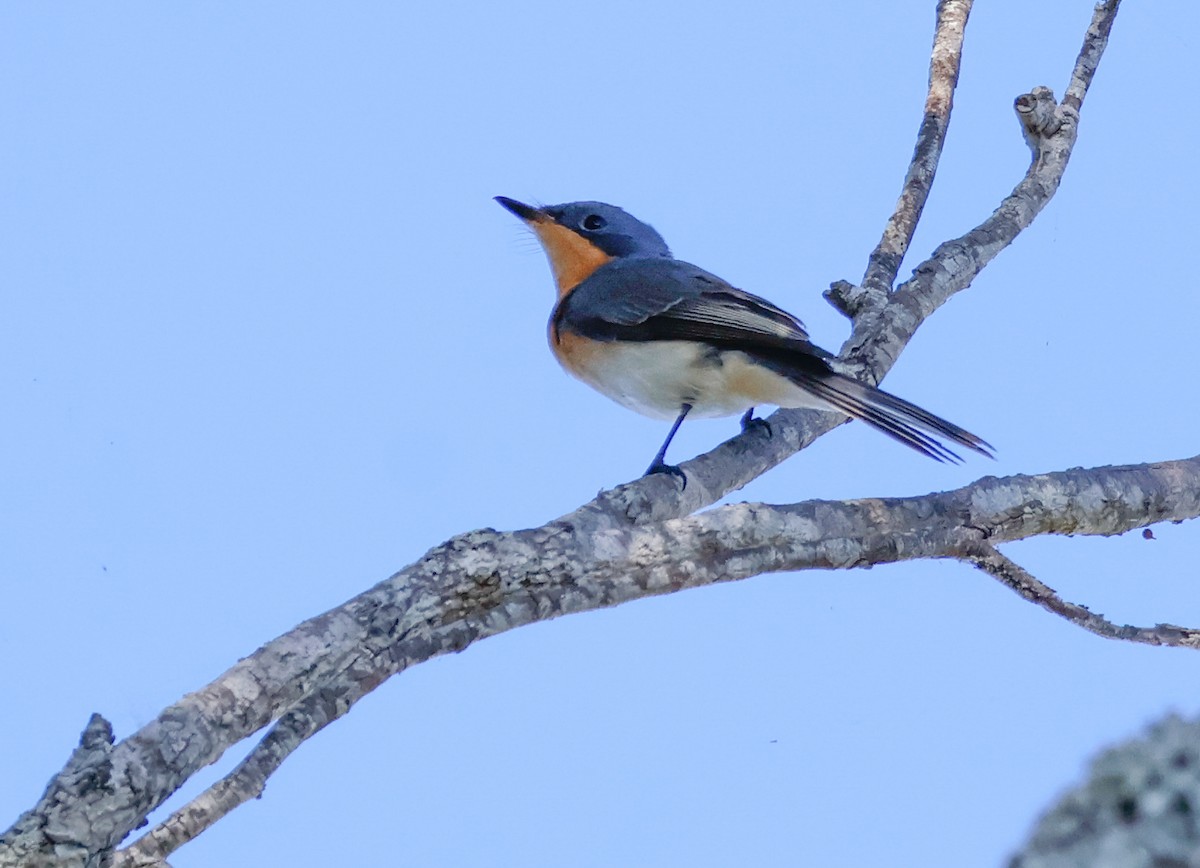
{"type": "Point", "coordinates": [944, 62]}
{"type": "Point", "coordinates": [55, 829]}
{"type": "Point", "coordinates": [485, 582]}
{"type": "Point", "coordinates": [249, 779]}
{"type": "Point", "coordinates": [1051, 131]}
{"type": "Point", "coordinates": [1017, 578]}
{"type": "Point", "coordinates": [1089, 56]}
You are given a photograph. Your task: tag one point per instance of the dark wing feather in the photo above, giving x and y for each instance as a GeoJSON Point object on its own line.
{"type": "Point", "coordinates": [665, 299]}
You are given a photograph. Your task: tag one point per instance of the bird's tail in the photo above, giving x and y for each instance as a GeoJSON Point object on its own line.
{"type": "Point", "coordinates": [893, 416]}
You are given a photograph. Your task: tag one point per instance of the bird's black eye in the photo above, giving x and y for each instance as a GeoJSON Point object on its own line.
{"type": "Point", "coordinates": [593, 222]}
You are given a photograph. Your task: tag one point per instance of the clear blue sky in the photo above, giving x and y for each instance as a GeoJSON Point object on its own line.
{"type": "Point", "coordinates": [266, 338]}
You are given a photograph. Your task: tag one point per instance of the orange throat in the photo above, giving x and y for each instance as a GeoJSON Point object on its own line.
{"type": "Point", "coordinates": [572, 257]}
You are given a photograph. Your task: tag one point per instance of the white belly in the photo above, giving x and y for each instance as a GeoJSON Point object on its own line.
{"type": "Point", "coordinates": [656, 378]}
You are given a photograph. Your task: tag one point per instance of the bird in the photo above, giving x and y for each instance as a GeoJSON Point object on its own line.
{"type": "Point", "coordinates": [669, 340]}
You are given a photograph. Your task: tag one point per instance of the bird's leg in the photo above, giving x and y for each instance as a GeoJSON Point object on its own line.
{"type": "Point", "coordinates": [658, 465]}
{"type": "Point", "coordinates": [749, 421]}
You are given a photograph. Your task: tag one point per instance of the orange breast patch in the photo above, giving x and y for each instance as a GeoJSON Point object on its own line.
{"type": "Point", "coordinates": [574, 352]}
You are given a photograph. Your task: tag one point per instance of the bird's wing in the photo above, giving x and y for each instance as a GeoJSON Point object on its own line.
{"type": "Point", "coordinates": [665, 299]}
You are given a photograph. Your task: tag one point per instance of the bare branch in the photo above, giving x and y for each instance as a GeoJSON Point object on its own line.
{"type": "Point", "coordinates": [70, 834]}
{"type": "Point", "coordinates": [485, 582]}
{"type": "Point", "coordinates": [249, 779]}
{"type": "Point", "coordinates": [944, 62]}
{"type": "Point", "coordinates": [1038, 113]}
{"type": "Point", "coordinates": [1089, 56]}
{"type": "Point", "coordinates": [879, 337]}
{"type": "Point", "coordinates": [1016, 577]}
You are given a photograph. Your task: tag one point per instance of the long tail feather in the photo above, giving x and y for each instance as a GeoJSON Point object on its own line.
{"type": "Point", "coordinates": [893, 416]}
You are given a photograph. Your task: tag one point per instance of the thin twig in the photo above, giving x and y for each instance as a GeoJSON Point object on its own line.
{"type": "Point", "coordinates": [944, 62]}
{"type": "Point", "coordinates": [1020, 580]}
{"type": "Point", "coordinates": [879, 336]}
{"type": "Point", "coordinates": [1089, 56]}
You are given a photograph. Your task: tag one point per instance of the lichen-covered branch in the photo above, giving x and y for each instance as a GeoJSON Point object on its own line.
{"type": "Point", "coordinates": [249, 779]}
{"type": "Point", "coordinates": [1020, 580]}
{"type": "Point", "coordinates": [1137, 808]}
{"type": "Point", "coordinates": [487, 582]}
{"type": "Point", "coordinates": [1089, 56]}
{"type": "Point", "coordinates": [58, 829]}
{"type": "Point", "coordinates": [944, 62]}
{"type": "Point", "coordinates": [1050, 130]}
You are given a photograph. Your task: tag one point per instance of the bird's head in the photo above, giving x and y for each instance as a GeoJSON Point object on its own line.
{"type": "Point", "coordinates": [579, 237]}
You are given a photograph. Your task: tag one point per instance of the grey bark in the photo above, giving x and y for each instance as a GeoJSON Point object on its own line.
{"type": "Point", "coordinates": [1137, 809]}
{"type": "Point", "coordinates": [638, 540]}
{"type": "Point", "coordinates": [944, 62]}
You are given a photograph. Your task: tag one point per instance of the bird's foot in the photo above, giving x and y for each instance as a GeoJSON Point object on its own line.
{"type": "Point", "coordinates": [660, 466]}
{"type": "Point", "coordinates": [749, 420]}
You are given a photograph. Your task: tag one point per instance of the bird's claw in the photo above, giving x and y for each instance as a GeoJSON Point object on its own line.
{"type": "Point", "coordinates": [749, 421]}
{"type": "Point", "coordinates": [670, 469]}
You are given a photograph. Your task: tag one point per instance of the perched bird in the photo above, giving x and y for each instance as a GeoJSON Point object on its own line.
{"type": "Point", "coordinates": [668, 339]}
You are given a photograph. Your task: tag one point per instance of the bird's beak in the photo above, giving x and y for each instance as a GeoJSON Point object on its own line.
{"type": "Point", "coordinates": [526, 212]}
